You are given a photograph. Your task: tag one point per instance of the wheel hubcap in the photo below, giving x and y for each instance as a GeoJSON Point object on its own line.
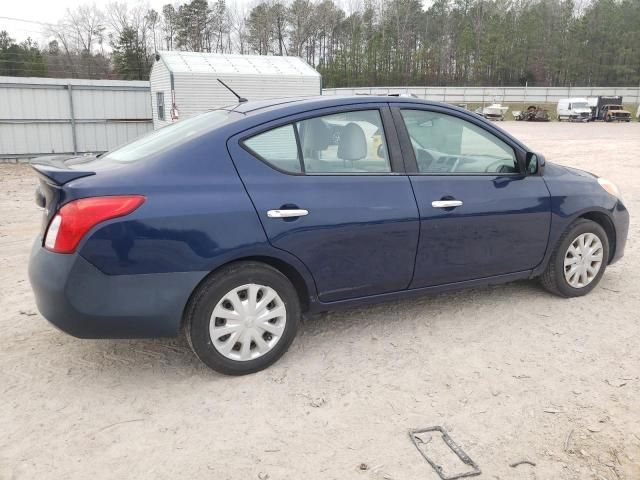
{"type": "Point", "coordinates": [583, 260]}
{"type": "Point", "coordinates": [247, 322]}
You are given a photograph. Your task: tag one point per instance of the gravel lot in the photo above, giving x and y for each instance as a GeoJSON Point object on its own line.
{"type": "Point", "coordinates": [512, 372]}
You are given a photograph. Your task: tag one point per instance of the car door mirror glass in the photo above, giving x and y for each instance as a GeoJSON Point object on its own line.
{"type": "Point", "coordinates": [533, 163]}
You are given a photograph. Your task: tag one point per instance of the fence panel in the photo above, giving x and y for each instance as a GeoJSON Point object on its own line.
{"type": "Point", "coordinates": [42, 116]}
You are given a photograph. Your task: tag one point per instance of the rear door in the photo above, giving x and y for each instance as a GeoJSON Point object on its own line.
{"type": "Point", "coordinates": [480, 214]}
{"type": "Point", "coordinates": [329, 188]}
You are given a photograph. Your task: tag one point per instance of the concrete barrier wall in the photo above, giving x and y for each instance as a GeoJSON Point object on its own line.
{"type": "Point", "coordinates": [494, 94]}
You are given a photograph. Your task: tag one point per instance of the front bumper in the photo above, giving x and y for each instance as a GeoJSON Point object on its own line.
{"type": "Point", "coordinates": [580, 117]}
{"type": "Point", "coordinates": [620, 217]}
{"type": "Point", "coordinates": [84, 302]}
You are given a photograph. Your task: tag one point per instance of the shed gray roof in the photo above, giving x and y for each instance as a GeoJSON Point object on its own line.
{"type": "Point", "coordinates": [203, 63]}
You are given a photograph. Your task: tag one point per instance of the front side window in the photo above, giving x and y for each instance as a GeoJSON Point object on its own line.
{"type": "Point", "coordinates": [160, 102]}
{"type": "Point", "coordinates": [342, 143]}
{"type": "Point", "coordinates": [446, 144]}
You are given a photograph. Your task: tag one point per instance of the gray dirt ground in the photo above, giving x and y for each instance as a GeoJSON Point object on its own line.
{"type": "Point", "coordinates": [511, 371]}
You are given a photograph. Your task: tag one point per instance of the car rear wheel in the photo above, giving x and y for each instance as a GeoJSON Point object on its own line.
{"type": "Point", "coordinates": [243, 318]}
{"type": "Point", "coordinates": [578, 260]}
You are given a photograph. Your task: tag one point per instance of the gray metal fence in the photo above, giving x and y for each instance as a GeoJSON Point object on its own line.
{"type": "Point", "coordinates": [494, 94]}
{"type": "Point", "coordinates": [41, 116]}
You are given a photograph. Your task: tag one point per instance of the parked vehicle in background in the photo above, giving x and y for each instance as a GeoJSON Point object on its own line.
{"type": "Point", "coordinates": [495, 111]}
{"type": "Point", "coordinates": [610, 109]}
{"type": "Point", "coordinates": [227, 226]}
{"type": "Point", "coordinates": [615, 113]}
{"type": "Point", "coordinates": [532, 114]}
{"type": "Point", "coordinates": [593, 106]}
{"type": "Point", "coordinates": [574, 109]}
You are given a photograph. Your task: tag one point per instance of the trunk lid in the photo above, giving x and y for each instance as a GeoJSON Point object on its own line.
{"type": "Point", "coordinates": [54, 171]}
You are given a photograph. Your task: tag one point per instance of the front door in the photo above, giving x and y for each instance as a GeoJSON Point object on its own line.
{"type": "Point", "coordinates": [328, 191]}
{"type": "Point", "coordinates": [480, 214]}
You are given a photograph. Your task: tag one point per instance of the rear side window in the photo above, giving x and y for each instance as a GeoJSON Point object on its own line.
{"type": "Point", "coordinates": [350, 142]}
{"type": "Point", "coordinates": [342, 143]}
{"type": "Point", "coordinates": [277, 147]}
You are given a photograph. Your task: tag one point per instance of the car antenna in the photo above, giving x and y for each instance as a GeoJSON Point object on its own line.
{"type": "Point", "coordinates": [240, 99]}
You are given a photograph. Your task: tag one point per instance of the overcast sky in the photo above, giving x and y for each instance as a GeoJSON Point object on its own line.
{"type": "Point", "coordinates": [50, 11]}
{"type": "Point", "coordinates": [46, 11]}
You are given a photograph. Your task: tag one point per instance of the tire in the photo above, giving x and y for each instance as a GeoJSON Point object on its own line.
{"type": "Point", "coordinates": [607, 118]}
{"type": "Point", "coordinates": [214, 291]}
{"type": "Point", "coordinates": [553, 278]}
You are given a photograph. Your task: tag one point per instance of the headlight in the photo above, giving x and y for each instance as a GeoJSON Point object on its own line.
{"type": "Point", "coordinates": [610, 187]}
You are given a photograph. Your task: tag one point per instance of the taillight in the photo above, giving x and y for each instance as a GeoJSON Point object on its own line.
{"type": "Point", "coordinates": [76, 218]}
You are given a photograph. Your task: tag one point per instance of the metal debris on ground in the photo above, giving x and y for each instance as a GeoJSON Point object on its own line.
{"type": "Point", "coordinates": [522, 462]}
{"type": "Point", "coordinates": [418, 439]}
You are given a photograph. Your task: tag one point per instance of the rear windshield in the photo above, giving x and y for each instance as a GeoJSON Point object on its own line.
{"type": "Point", "coordinates": [166, 137]}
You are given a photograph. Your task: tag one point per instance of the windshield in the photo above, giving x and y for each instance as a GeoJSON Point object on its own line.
{"type": "Point", "coordinates": [166, 137]}
{"type": "Point", "coordinates": [580, 105]}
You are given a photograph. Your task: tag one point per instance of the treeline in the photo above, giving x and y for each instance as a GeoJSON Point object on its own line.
{"type": "Point", "coordinates": [384, 42]}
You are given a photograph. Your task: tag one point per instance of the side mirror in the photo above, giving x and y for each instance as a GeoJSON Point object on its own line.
{"type": "Point", "coordinates": [534, 163]}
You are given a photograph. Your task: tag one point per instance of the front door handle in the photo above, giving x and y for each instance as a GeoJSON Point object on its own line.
{"type": "Point", "coordinates": [446, 203]}
{"type": "Point", "coordinates": [287, 213]}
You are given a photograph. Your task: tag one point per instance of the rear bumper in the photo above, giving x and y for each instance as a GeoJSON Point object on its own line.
{"type": "Point", "coordinates": [620, 217]}
{"type": "Point", "coordinates": [82, 301]}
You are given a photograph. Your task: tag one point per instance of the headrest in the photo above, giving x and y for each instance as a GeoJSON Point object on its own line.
{"type": "Point", "coordinates": [353, 143]}
{"type": "Point", "coordinates": [317, 136]}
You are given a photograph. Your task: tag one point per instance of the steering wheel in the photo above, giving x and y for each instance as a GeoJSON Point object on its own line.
{"type": "Point", "coordinates": [492, 167]}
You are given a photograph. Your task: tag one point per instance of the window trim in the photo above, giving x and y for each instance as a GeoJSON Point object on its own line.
{"type": "Point", "coordinates": [296, 133]}
{"type": "Point", "coordinates": [396, 164]}
{"type": "Point", "coordinates": [409, 156]}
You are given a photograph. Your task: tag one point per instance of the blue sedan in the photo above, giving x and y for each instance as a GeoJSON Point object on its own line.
{"type": "Point", "coordinates": [230, 225]}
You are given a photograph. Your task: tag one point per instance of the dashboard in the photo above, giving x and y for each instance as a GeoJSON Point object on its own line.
{"type": "Point", "coordinates": [430, 161]}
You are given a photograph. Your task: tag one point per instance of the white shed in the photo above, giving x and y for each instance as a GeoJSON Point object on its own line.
{"type": "Point", "coordinates": [185, 83]}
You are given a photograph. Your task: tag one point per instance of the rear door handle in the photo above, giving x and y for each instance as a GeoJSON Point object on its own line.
{"type": "Point", "coordinates": [287, 213]}
{"type": "Point", "coordinates": [446, 203]}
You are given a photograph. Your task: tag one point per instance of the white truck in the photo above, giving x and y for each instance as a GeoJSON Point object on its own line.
{"type": "Point", "coordinates": [573, 109]}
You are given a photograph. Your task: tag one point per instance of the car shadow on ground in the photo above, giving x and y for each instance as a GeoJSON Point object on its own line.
{"type": "Point", "coordinates": [172, 357]}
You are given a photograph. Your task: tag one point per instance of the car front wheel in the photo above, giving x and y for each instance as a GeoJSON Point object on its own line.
{"type": "Point", "coordinates": [578, 261]}
{"type": "Point", "coordinates": [243, 318]}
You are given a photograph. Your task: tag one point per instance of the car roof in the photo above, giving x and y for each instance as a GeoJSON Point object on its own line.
{"type": "Point", "coordinates": [323, 101]}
